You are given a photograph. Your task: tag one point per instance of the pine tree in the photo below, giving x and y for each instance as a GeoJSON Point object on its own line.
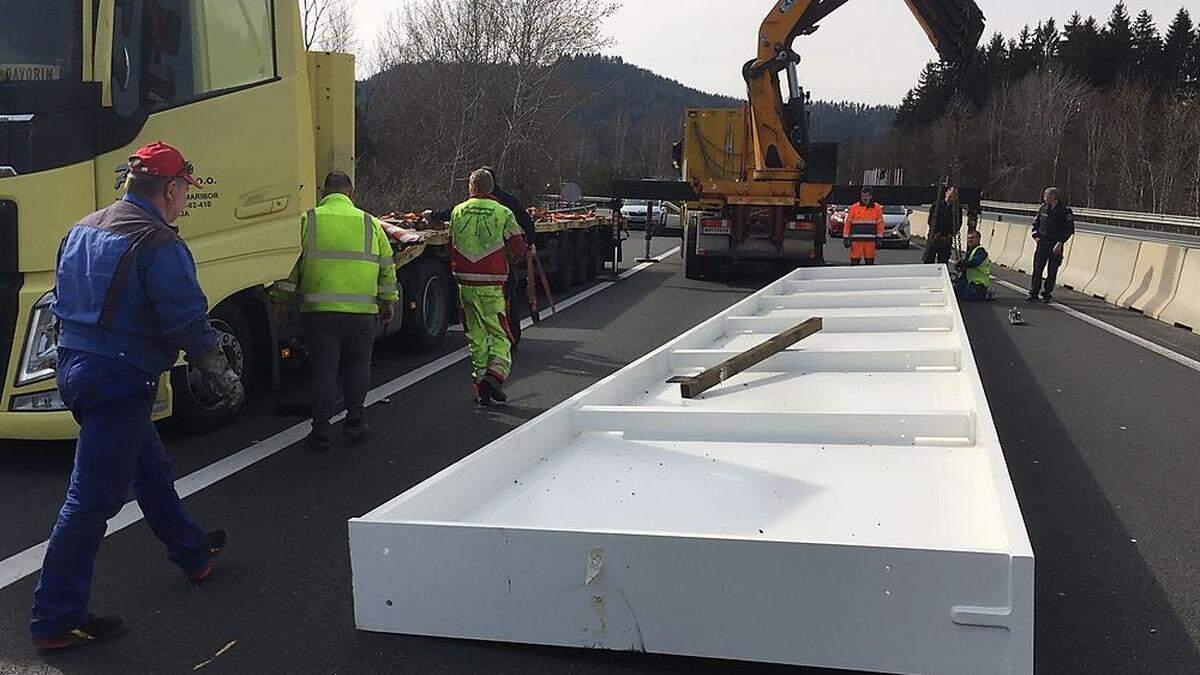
{"type": "Point", "coordinates": [1080, 51]}
{"type": "Point", "coordinates": [1192, 68]}
{"type": "Point", "coordinates": [1046, 43]}
{"type": "Point", "coordinates": [1147, 48]}
{"type": "Point", "coordinates": [1117, 50]}
{"type": "Point", "coordinates": [1173, 67]}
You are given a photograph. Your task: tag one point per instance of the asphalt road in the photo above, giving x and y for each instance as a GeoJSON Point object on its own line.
{"type": "Point", "coordinates": [1100, 436]}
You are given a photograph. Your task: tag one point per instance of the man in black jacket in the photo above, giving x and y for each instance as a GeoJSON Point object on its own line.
{"type": "Point", "coordinates": [1053, 227]}
{"type": "Point", "coordinates": [945, 220]}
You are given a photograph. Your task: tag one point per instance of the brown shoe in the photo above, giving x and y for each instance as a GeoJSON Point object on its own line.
{"type": "Point", "coordinates": [217, 540]}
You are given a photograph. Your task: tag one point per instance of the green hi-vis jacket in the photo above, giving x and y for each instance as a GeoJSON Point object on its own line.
{"type": "Point", "coordinates": [345, 265]}
{"type": "Point", "coordinates": [979, 267]}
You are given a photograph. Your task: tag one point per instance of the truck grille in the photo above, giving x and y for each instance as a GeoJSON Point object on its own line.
{"type": "Point", "coordinates": [10, 283]}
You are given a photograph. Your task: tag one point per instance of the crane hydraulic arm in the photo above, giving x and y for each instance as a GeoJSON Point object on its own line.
{"type": "Point", "coordinates": [779, 132]}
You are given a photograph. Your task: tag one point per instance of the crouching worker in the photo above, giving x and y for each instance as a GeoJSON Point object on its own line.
{"type": "Point", "coordinates": [974, 273]}
{"type": "Point", "coordinates": [483, 233]}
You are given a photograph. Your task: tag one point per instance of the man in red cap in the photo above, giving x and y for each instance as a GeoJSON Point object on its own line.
{"type": "Point", "coordinates": [127, 301]}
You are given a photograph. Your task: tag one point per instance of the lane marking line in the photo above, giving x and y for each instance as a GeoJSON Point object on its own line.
{"type": "Point", "coordinates": [1182, 360]}
{"type": "Point", "coordinates": [20, 565]}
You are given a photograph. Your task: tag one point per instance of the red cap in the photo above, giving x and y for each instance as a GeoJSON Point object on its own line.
{"type": "Point", "coordinates": [160, 159]}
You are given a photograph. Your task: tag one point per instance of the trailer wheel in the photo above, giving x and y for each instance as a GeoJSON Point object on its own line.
{"type": "Point", "coordinates": [694, 267]}
{"type": "Point", "coordinates": [564, 273]}
{"type": "Point", "coordinates": [583, 258]}
{"type": "Point", "coordinates": [425, 327]}
{"type": "Point", "coordinates": [190, 414]}
{"type": "Point", "coordinates": [597, 246]}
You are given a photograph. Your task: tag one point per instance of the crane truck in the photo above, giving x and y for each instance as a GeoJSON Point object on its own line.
{"type": "Point", "coordinates": [758, 187]}
{"type": "Point", "coordinates": [85, 82]}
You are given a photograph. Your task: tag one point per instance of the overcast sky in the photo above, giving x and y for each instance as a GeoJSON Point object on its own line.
{"type": "Point", "coordinates": [869, 50]}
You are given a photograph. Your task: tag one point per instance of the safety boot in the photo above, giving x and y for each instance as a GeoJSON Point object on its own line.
{"type": "Point", "coordinates": [94, 629]}
{"type": "Point", "coordinates": [217, 541]}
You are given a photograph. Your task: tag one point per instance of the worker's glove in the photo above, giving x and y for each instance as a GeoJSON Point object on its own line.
{"type": "Point", "coordinates": [219, 379]}
{"type": "Point", "coordinates": [846, 241]}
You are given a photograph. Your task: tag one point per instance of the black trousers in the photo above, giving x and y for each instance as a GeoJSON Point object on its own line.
{"type": "Point", "coordinates": [339, 349]}
{"type": "Point", "coordinates": [1045, 262]}
{"type": "Point", "coordinates": [937, 249]}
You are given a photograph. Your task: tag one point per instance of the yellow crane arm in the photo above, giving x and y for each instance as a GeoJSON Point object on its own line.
{"type": "Point", "coordinates": [953, 26]}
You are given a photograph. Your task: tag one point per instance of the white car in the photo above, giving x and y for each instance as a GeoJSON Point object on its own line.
{"type": "Point", "coordinates": [634, 213]}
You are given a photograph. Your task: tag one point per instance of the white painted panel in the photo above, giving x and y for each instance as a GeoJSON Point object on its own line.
{"type": "Point", "coordinates": [844, 503]}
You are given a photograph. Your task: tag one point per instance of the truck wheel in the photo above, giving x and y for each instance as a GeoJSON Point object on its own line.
{"type": "Point", "coordinates": [599, 254]}
{"type": "Point", "coordinates": [583, 258]}
{"type": "Point", "coordinates": [425, 326]}
{"type": "Point", "coordinates": [564, 274]}
{"type": "Point", "coordinates": [693, 266]}
{"type": "Point", "coordinates": [190, 414]}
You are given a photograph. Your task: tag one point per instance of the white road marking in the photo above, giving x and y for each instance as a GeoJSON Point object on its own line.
{"type": "Point", "coordinates": [1182, 360]}
{"type": "Point", "coordinates": [21, 565]}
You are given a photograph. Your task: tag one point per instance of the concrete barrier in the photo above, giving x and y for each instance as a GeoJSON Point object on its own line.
{"type": "Point", "coordinates": [1155, 278]}
{"type": "Point", "coordinates": [1118, 257]}
{"type": "Point", "coordinates": [1014, 245]}
{"type": "Point", "coordinates": [999, 237]}
{"type": "Point", "coordinates": [1184, 309]}
{"type": "Point", "coordinates": [985, 233]}
{"type": "Point", "coordinates": [1024, 263]}
{"type": "Point", "coordinates": [1079, 267]}
{"type": "Point", "coordinates": [919, 222]}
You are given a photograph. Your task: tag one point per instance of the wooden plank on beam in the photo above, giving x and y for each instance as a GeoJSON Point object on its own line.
{"type": "Point", "coordinates": [692, 386]}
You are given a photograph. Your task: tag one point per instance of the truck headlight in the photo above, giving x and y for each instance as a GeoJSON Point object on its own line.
{"type": "Point", "coordinates": [40, 356]}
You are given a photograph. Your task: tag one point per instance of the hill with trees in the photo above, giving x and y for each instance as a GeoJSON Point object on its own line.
{"type": "Point", "coordinates": [1108, 110]}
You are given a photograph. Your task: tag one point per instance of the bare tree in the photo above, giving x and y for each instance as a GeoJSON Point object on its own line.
{"type": "Point", "coordinates": [467, 82]}
{"type": "Point", "coordinates": [328, 25]}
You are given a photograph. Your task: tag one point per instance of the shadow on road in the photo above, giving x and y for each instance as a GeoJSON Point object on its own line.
{"type": "Point", "coordinates": [1098, 607]}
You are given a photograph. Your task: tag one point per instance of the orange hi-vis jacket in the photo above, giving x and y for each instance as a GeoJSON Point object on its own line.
{"type": "Point", "coordinates": [864, 222]}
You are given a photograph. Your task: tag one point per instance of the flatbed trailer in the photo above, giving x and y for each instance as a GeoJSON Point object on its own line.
{"type": "Point", "coordinates": [574, 247]}
{"type": "Point", "coordinates": [844, 503]}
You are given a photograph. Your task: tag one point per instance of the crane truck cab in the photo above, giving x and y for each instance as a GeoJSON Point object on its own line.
{"type": "Point", "coordinates": [83, 83]}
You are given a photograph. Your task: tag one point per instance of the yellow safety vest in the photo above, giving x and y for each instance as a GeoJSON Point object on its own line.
{"type": "Point", "coordinates": [345, 265]}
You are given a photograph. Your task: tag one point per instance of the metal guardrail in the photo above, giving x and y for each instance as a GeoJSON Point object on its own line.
{"type": "Point", "coordinates": [1153, 222]}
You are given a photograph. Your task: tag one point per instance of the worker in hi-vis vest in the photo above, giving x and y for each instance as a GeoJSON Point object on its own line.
{"type": "Point", "coordinates": [483, 233]}
{"type": "Point", "coordinates": [344, 282]}
{"type": "Point", "coordinates": [863, 228]}
{"type": "Point", "coordinates": [974, 273]}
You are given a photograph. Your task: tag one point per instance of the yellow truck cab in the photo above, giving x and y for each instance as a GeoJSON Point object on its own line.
{"type": "Point", "coordinates": [83, 83]}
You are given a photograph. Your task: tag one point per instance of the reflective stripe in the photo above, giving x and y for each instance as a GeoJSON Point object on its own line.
{"type": "Point", "coordinates": [385, 260]}
{"type": "Point", "coordinates": [310, 236]}
{"type": "Point", "coordinates": [387, 289]}
{"type": "Point", "coordinates": [285, 286]}
{"type": "Point", "coordinates": [480, 277]}
{"type": "Point", "coordinates": [347, 255]}
{"type": "Point", "coordinates": [368, 250]}
{"type": "Point", "coordinates": [339, 297]}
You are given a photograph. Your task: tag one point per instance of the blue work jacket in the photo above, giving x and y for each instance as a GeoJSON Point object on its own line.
{"type": "Point", "coordinates": [126, 289]}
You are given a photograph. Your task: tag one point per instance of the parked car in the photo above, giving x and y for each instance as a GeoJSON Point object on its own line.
{"type": "Point", "coordinates": [896, 228]}
{"type": "Point", "coordinates": [634, 213]}
{"type": "Point", "coordinates": [837, 220]}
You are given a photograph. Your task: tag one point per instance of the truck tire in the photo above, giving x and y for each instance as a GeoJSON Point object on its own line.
{"type": "Point", "coordinates": [192, 416]}
{"type": "Point", "coordinates": [694, 267]}
{"type": "Point", "coordinates": [583, 257]}
{"type": "Point", "coordinates": [564, 273]}
{"type": "Point", "coordinates": [599, 254]}
{"type": "Point", "coordinates": [425, 326]}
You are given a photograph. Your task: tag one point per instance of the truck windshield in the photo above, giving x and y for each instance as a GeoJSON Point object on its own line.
{"type": "Point", "coordinates": [40, 41]}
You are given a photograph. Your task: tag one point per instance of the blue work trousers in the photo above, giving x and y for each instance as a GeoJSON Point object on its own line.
{"type": "Point", "coordinates": [118, 444]}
